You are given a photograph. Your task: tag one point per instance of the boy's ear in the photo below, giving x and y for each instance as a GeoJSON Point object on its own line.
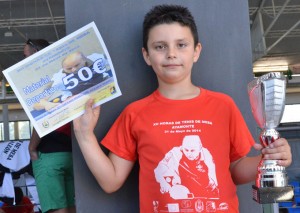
{"type": "Point", "coordinates": [197, 52]}
{"type": "Point", "coordinates": [146, 56]}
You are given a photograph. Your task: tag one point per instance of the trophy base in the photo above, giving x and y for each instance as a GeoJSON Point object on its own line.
{"type": "Point", "coordinates": [273, 194]}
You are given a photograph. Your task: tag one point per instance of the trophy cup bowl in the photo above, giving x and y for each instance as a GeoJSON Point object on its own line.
{"type": "Point", "coordinates": [267, 100]}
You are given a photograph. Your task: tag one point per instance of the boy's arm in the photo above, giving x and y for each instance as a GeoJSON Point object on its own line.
{"type": "Point", "coordinates": [110, 171]}
{"type": "Point", "coordinates": [33, 144]}
{"type": "Point", "coordinates": [244, 170]}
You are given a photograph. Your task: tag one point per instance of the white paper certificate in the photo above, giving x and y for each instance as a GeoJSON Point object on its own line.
{"type": "Point", "coordinates": [54, 84]}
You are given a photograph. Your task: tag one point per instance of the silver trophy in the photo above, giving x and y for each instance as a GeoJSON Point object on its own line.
{"type": "Point", "coordinates": [267, 99]}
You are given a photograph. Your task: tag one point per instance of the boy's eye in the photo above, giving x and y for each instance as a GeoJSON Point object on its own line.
{"type": "Point", "coordinates": [182, 45]}
{"type": "Point", "coordinates": [160, 47]}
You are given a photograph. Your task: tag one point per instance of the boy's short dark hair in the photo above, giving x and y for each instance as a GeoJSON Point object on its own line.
{"type": "Point", "coordinates": [167, 14]}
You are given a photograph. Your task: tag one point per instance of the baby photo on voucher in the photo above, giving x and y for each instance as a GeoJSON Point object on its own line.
{"type": "Point", "coordinates": [54, 84]}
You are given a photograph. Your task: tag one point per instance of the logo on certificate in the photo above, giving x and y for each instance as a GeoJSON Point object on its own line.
{"type": "Point", "coordinates": [45, 124]}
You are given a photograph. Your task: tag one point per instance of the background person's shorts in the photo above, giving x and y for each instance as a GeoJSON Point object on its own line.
{"type": "Point", "coordinates": [54, 178]}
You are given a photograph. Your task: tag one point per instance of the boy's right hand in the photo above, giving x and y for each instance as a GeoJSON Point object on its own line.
{"type": "Point", "coordinates": [85, 124]}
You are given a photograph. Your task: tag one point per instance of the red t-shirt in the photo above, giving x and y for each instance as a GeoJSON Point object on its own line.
{"type": "Point", "coordinates": [183, 141]}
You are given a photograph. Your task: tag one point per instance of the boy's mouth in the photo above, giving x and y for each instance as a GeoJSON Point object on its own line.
{"type": "Point", "coordinates": [172, 65]}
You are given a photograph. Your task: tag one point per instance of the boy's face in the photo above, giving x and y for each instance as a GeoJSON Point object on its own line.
{"type": "Point", "coordinates": [171, 52]}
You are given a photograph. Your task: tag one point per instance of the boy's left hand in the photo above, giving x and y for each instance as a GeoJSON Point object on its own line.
{"type": "Point", "coordinates": [279, 150]}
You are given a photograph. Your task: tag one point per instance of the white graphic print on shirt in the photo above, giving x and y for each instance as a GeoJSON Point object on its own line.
{"type": "Point", "coordinates": [188, 173]}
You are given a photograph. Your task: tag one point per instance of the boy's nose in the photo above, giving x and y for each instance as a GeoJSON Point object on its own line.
{"type": "Point", "coordinates": [171, 52]}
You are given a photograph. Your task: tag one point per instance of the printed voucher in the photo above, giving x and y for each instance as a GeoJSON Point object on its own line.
{"type": "Point", "coordinates": [54, 84]}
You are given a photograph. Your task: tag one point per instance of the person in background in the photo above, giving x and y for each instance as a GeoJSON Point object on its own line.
{"type": "Point", "coordinates": [34, 45]}
{"type": "Point", "coordinates": [149, 128]}
{"type": "Point", "coordinates": [52, 161]}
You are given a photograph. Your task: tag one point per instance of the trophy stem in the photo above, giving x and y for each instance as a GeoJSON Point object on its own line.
{"type": "Point", "coordinates": [271, 185]}
{"type": "Point", "coordinates": [269, 173]}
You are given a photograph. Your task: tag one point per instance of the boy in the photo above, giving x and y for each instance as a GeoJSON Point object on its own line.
{"type": "Point", "coordinates": [149, 129]}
